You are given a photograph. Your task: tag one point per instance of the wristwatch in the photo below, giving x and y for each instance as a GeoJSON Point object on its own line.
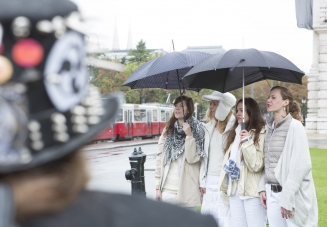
{"type": "Point", "coordinates": [246, 139]}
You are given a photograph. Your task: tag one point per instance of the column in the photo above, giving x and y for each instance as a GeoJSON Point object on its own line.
{"type": "Point", "coordinates": [312, 103]}
{"type": "Point", "coordinates": [322, 83]}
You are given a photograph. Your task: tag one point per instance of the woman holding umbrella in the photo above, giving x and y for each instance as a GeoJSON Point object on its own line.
{"type": "Point", "coordinates": [243, 166]}
{"type": "Point", "coordinates": [179, 155]}
{"type": "Point", "coordinates": [219, 119]}
{"type": "Point", "coordinates": [289, 196]}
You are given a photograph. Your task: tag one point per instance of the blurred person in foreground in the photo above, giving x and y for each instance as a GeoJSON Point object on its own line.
{"type": "Point", "coordinates": [48, 112]}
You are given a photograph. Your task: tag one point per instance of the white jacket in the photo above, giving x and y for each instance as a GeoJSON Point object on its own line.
{"type": "Point", "coordinates": [293, 172]}
{"type": "Point", "coordinates": [208, 128]}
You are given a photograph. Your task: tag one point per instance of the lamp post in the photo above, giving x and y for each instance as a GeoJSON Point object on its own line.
{"type": "Point", "coordinates": [303, 109]}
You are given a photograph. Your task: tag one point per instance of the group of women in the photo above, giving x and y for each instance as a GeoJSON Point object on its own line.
{"type": "Point", "coordinates": [241, 174]}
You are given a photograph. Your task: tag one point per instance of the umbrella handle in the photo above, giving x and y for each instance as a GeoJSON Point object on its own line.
{"type": "Point", "coordinates": [243, 126]}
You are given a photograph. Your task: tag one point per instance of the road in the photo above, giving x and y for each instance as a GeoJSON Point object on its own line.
{"type": "Point", "coordinates": [108, 162]}
{"type": "Point", "coordinates": [107, 169]}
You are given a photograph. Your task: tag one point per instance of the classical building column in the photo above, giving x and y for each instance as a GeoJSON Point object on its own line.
{"type": "Point", "coordinates": [322, 85]}
{"type": "Point", "coordinates": [317, 85]}
{"type": "Point", "coordinates": [312, 104]}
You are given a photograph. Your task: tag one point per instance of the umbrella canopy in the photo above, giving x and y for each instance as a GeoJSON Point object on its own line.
{"type": "Point", "coordinates": [224, 72]}
{"type": "Point", "coordinates": [166, 71]}
{"type": "Point", "coordinates": [239, 67]}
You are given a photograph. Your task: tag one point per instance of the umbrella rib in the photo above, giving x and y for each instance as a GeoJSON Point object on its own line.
{"type": "Point", "coordinates": [263, 58]}
{"type": "Point", "coordinates": [296, 77]}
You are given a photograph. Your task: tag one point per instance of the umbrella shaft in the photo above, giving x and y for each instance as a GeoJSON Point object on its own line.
{"type": "Point", "coordinates": [243, 127]}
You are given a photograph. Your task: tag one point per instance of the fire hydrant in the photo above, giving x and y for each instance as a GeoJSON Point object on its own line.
{"type": "Point", "coordinates": [136, 173]}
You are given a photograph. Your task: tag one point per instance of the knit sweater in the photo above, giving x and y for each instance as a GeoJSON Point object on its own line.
{"type": "Point", "coordinates": [293, 172]}
{"type": "Point", "coordinates": [274, 144]}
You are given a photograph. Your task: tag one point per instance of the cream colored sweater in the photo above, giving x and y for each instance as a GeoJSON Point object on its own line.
{"type": "Point", "coordinates": [293, 172]}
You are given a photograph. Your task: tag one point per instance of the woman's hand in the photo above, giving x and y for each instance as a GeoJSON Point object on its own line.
{"type": "Point", "coordinates": [263, 199]}
{"type": "Point", "coordinates": [244, 134]}
{"type": "Point", "coordinates": [203, 191]}
{"type": "Point", "coordinates": [187, 129]}
{"type": "Point", "coordinates": [158, 195]}
{"type": "Point", "coordinates": [286, 213]}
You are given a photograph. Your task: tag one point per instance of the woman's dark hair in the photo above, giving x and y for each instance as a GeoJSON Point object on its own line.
{"type": "Point", "coordinates": [190, 111]}
{"type": "Point", "coordinates": [293, 107]}
{"type": "Point", "coordinates": [255, 121]}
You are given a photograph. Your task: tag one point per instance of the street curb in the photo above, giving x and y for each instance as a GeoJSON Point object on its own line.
{"type": "Point", "coordinates": [111, 146]}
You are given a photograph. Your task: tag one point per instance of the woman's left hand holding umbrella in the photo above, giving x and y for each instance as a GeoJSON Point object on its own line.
{"type": "Point", "coordinates": [187, 129]}
{"type": "Point", "coordinates": [244, 134]}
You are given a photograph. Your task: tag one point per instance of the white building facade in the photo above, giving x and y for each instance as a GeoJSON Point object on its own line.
{"type": "Point", "coordinates": [316, 122]}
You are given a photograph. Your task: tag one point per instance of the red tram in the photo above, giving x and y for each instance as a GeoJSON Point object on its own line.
{"type": "Point", "coordinates": [137, 121]}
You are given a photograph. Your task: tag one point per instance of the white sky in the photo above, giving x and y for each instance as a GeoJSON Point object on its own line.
{"type": "Point", "coordinates": [262, 24]}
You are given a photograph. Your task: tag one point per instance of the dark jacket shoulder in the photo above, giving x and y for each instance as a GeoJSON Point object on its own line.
{"type": "Point", "coordinates": [100, 209]}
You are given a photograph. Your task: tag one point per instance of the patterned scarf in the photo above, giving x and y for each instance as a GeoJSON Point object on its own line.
{"type": "Point", "coordinates": [175, 142]}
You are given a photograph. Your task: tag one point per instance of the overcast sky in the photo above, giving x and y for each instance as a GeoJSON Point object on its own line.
{"type": "Point", "coordinates": [261, 24]}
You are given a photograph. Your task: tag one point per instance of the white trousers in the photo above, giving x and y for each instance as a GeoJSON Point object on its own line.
{"type": "Point", "coordinates": [275, 218]}
{"type": "Point", "coordinates": [247, 212]}
{"type": "Point", "coordinates": [213, 204]}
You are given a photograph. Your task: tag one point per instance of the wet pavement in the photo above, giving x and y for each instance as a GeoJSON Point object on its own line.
{"type": "Point", "coordinates": [107, 168]}
{"type": "Point", "coordinates": [107, 163]}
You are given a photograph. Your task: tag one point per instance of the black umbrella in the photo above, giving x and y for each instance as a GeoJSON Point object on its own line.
{"type": "Point", "coordinates": [166, 71]}
{"type": "Point", "coordinates": [239, 67]}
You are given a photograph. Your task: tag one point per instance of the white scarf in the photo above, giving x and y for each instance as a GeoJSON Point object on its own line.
{"type": "Point", "coordinates": [235, 155]}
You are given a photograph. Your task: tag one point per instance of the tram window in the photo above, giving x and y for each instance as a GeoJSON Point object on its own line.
{"type": "Point", "coordinates": [125, 116]}
{"type": "Point", "coordinates": [155, 115]}
{"type": "Point", "coordinates": [143, 115]}
{"type": "Point", "coordinates": [120, 115]}
{"type": "Point", "coordinates": [167, 115]}
{"type": "Point", "coordinates": [163, 116]}
{"type": "Point", "coordinates": [137, 115]}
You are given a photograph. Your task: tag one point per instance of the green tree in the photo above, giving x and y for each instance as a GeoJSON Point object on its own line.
{"type": "Point", "coordinates": [109, 81]}
{"type": "Point", "coordinates": [140, 54]}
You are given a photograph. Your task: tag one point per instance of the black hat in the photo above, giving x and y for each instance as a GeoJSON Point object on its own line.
{"type": "Point", "coordinates": [47, 107]}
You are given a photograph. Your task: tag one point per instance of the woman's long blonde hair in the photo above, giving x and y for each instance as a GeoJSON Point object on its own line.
{"type": "Point", "coordinates": [221, 125]}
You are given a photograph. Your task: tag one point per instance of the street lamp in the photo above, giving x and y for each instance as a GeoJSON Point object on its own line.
{"type": "Point", "coordinates": [303, 109]}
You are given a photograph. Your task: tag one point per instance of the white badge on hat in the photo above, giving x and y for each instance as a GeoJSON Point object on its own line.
{"type": "Point", "coordinates": [66, 79]}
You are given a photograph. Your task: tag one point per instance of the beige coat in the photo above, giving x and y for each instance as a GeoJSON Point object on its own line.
{"type": "Point", "coordinates": [250, 182]}
{"type": "Point", "coordinates": [188, 194]}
